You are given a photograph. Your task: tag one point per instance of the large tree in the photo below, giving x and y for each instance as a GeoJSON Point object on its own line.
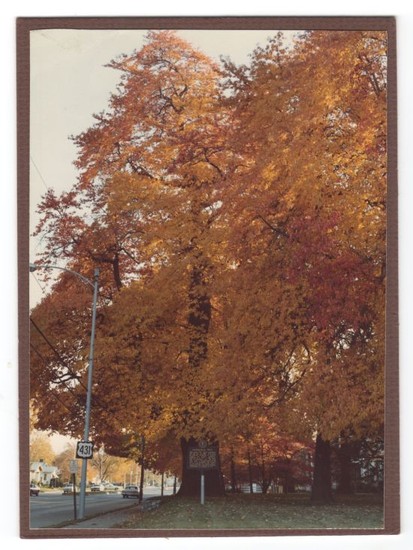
{"type": "Point", "coordinates": [312, 198]}
{"type": "Point", "coordinates": [149, 170]}
{"type": "Point", "coordinates": [238, 217]}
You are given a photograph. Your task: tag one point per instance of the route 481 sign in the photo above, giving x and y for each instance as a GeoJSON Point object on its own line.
{"type": "Point", "coordinates": [84, 449]}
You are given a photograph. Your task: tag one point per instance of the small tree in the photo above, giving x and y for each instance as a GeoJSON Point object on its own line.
{"type": "Point", "coordinates": [41, 448]}
{"type": "Point", "coordinates": [104, 464]}
{"type": "Point", "coordinates": [62, 461]}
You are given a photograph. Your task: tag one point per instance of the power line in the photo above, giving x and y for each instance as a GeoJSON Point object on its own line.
{"type": "Point", "coordinates": [37, 281]}
{"type": "Point", "coordinates": [40, 175]}
{"type": "Point", "coordinates": [50, 390]}
{"type": "Point", "coordinates": [64, 382]}
{"type": "Point", "coordinates": [62, 361]}
{"type": "Point", "coordinates": [62, 378]}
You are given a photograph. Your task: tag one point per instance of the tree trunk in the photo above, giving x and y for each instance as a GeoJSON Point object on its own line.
{"type": "Point", "coordinates": [287, 478]}
{"type": "Point", "coordinates": [191, 479]}
{"type": "Point", "coordinates": [321, 490]}
{"type": "Point", "coordinates": [265, 481]}
{"type": "Point", "coordinates": [345, 484]}
{"type": "Point", "coordinates": [199, 318]}
{"type": "Point", "coordinates": [233, 474]}
{"type": "Point", "coordinates": [250, 471]}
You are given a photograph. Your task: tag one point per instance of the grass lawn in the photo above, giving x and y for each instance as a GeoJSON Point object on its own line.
{"type": "Point", "coordinates": [243, 511]}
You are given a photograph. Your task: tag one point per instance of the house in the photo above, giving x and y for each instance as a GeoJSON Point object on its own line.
{"type": "Point", "coordinates": [42, 474]}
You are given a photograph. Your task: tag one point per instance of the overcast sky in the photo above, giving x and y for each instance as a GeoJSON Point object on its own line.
{"type": "Point", "coordinates": [69, 82]}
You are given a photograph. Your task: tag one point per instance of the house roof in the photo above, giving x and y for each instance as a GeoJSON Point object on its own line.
{"type": "Point", "coordinates": [43, 467]}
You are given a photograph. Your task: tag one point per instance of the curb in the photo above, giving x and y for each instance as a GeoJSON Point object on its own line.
{"type": "Point", "coordinates": [108, 519]}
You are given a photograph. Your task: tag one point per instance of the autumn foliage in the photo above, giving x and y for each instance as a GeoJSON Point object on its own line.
{"type": "Point", "coordinates": [238, 217]}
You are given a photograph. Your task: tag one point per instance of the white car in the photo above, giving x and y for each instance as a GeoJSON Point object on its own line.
{"type": "Point", "coordinates": [97, 488]}
{"type": "Point", "coordinates": [68, 488]}
{"type": "Point", "coordinates": [130, 491]}
{"type": "Point", "coordinates": [110, 488]}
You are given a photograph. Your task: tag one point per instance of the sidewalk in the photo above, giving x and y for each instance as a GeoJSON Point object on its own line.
{"type": "Point", "coordinates": [106, 520]}
{"type": "Point", "coordinates": [109, 520]}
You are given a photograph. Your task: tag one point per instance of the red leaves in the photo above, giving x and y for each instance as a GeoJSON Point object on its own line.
{"type": "Point", "coordinates": [342, 282]}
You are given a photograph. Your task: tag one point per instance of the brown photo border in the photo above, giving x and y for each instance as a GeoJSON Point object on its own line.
{"type": "Point", "coordinates": [391, 468]}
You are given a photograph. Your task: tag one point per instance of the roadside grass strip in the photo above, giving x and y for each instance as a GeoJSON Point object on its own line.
{"type": "Point", "coordinates": [259, 512]}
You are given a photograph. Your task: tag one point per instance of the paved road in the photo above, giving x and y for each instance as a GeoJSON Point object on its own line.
{"type": "Point", "coordinates": [50, 509]}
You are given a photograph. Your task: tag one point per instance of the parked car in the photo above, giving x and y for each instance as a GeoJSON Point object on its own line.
{"type": "Point", "coordinates": [68, 488]}
{"type": "Point", "coordinates": [130, 491]}
{"type": "Point", "coordinates": [34, 490]}
{"type": "Point", "coordinates": [97, 488]}
{"type": "Point", "coordinates": [110, 488]}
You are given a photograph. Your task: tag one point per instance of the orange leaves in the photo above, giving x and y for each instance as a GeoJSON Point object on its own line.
{"type": "Point", "coordinates": [238, 217]}
{"type": "Point", "coordinates": [315, 236]}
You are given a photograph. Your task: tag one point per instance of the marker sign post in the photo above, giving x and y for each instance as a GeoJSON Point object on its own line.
{"type": "Point", "coordinates": [202, 457]}
{"type": "Point", "coordinates": [84, 450]}
{"type": "Point", "coordinates": [73, 471]}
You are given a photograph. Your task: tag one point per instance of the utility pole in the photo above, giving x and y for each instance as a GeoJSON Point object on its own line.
{"type": "Point", "coordinates": [85, 444]}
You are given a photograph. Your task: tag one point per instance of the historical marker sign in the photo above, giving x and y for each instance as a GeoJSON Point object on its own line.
{"type": "Point", "coordinates": [202, 457]}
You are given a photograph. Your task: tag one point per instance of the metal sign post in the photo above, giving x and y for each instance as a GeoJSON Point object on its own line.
{"type": "Point", "coordinates": [202, 457]}
{"type": "Point", "coordinates": [74, 496]}
{"type": "Point", "coordinates": [84, 450]}
{"type": "Point", "coordinates": [73, 471]}
{"type": "Point", "coordinates": [142, 469]}
{"type": "Point", "coordinates": [202, 487]}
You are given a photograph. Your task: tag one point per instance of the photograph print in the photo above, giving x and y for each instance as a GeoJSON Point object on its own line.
{"type": "Point", "coordinates": [211, 341]}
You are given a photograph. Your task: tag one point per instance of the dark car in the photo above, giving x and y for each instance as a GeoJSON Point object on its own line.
{"type": "Point", "coordinates": [34, 490]}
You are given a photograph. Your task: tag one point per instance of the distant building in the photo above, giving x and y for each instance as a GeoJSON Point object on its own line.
{"type": "Point", "coordinates": [43, 474]}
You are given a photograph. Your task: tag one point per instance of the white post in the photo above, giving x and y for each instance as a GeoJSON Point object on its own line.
{"type": "Point", "coordinates": [202, 488]}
